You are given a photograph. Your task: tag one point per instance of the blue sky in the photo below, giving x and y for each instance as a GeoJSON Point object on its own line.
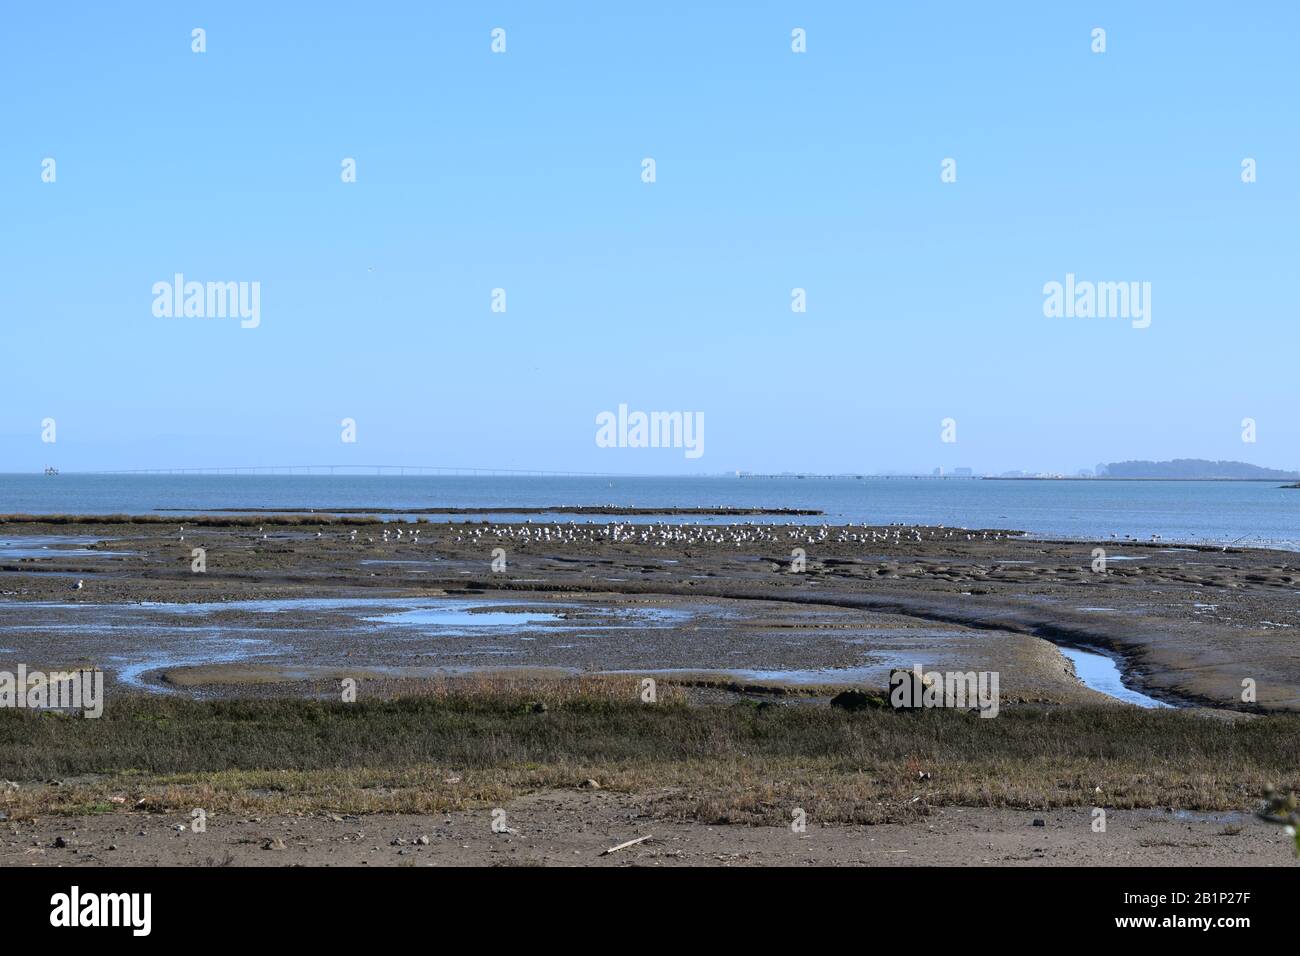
{"type": "Point", "coordinates": [775, 170]}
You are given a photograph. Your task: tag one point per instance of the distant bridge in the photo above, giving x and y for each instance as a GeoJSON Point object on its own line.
{"type": "Point", "coordinates": [488, 471]}
{"type": "Point", "coordinates": [356, 469]}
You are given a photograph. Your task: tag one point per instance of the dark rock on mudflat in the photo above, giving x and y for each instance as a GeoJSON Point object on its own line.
{"type": "Point", "coordinates": [856, 700]}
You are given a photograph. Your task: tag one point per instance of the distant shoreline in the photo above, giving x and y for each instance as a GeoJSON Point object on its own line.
{"type": "Point", "coordinates": [847, 476]}
{"type": "Point", "coordinates": [506, 510]}
{"type": "Point", "coordinates": [1107, 478]}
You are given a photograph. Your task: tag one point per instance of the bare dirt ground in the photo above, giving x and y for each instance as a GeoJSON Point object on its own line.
{"type": "Point", "coordinates": [559, 828]}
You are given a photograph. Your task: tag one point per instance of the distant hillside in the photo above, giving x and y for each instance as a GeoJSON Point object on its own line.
{"type": "Point", "coordinates": [1192, 468]}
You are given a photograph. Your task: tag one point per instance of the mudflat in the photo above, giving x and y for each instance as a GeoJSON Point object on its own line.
{"type": "Point", "coordinates": [504, 666]}
{"type": "Point", "coordinates": [1189, 625]}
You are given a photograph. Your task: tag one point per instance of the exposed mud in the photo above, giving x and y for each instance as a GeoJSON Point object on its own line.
{"type": "Point", "coordinates": [566, 828]}
{"type": "Point", "coordinates": [1189, 624]}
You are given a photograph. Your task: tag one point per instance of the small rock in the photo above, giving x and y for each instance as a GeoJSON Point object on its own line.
{"type": "Point", "coordinates": [855, 700]}
{"type": "Point", "coordinates": [422, 840]}
{"type": "Point", "coordinates": [274, 843]}
{"type": "Point", "coordinates": [60, 843]}
{"type": "Point", "coordinates": [1040, 823]}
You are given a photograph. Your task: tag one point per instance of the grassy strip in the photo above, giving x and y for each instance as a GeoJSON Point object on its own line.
{"type": "Point", "coordinates": [461, 746]}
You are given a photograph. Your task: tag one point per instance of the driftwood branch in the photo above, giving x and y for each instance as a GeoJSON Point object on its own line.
{"type": "Point", "coordinates": [624, 846]}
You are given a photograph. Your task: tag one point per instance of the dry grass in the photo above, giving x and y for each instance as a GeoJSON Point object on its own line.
{"type": "Point", "coordinates": [459, 744]}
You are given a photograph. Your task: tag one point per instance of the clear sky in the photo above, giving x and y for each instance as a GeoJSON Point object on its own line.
{"type": "Point", "coordinates": [774, 170]}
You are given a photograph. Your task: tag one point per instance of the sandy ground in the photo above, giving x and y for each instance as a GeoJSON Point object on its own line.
{"type": "Point", "coordinates": [573, 829]}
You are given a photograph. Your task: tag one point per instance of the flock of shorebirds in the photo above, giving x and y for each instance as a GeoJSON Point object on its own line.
{"type": "Point", "coordinates": [738, 535]}
{"type": "Point", "coordinates": [663, 535]}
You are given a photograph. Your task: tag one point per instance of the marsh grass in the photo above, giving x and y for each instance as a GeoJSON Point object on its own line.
{"type": "Point", "coordinates": [459, 744]}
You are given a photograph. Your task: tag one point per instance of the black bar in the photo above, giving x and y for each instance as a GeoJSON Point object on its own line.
{"type": "Point", "coordinates": [379, 907]}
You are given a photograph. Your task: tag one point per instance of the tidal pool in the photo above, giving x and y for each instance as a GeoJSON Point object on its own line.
{"type": "Point", "coordinates": [1100, 672]}
{"type": "Point", "coordinates": [54, 546]}
{"type": "Point", "coordinates": [136, 641]}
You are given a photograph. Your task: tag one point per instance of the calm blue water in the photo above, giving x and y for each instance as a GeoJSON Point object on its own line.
{"type": "Point", "coordinates": [1100, 672]}
{"type": "Point", "coordinates": [1258, 513]}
